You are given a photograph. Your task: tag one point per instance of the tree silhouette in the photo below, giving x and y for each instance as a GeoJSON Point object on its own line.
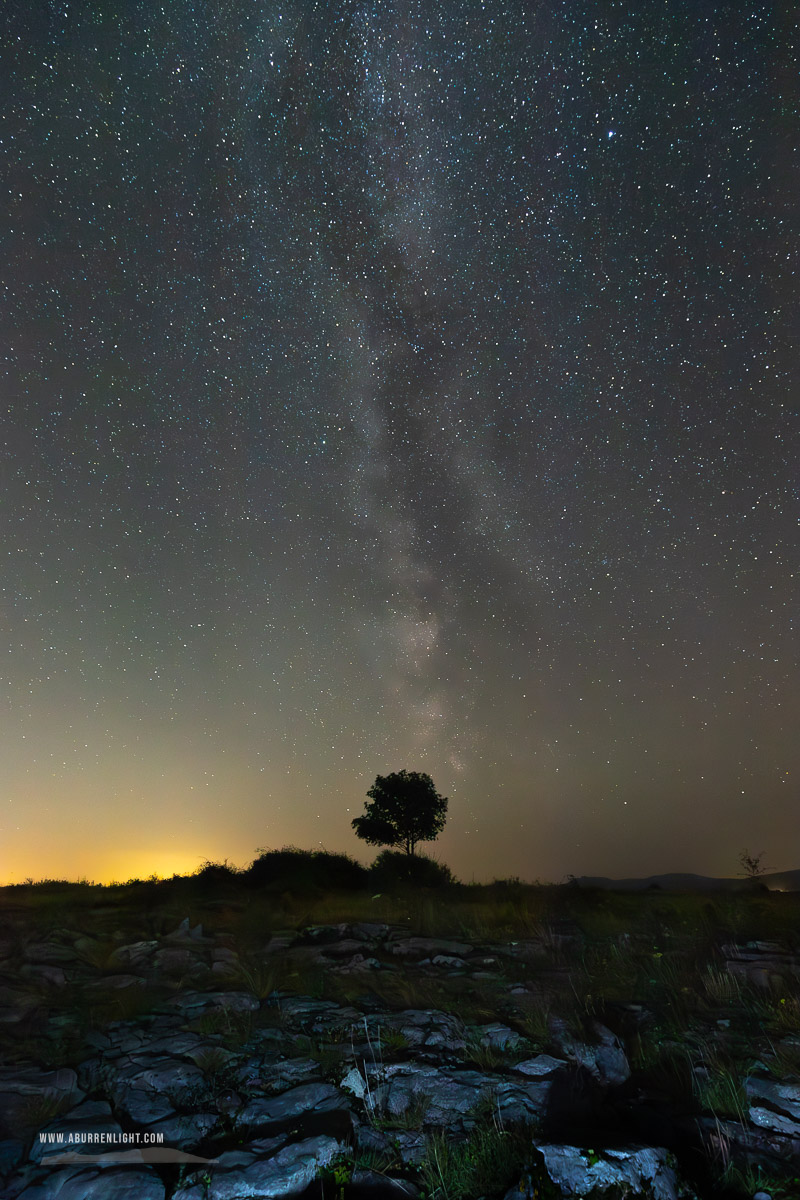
{"type": "Point", "coordinates": [405, 809]}
{"type": "Point", "coordinates": [751, 864]}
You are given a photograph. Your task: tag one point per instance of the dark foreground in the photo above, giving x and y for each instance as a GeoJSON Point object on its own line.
{"type": "Point", "coordinates": [235, 1041]}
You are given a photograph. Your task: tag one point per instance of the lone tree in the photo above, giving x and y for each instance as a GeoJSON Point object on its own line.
{"type": "Point", "coordinates": [405, 809]}
{"type": "Point", "coordinates": [751, 864]}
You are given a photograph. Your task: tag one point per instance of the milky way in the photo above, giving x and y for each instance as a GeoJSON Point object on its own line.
{"type": "Point", "coordinates": [400, 385]}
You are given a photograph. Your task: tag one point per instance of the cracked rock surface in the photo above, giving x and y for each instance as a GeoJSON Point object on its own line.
{"type": "Point", "coordinates": [220, 1086]}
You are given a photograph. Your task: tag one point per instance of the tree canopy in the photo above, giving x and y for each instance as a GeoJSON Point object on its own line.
{"type": "Point", "coordinates": [405, 809]}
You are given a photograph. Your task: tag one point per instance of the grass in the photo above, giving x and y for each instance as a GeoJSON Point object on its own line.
{"type": "Point", "coordinates": [411, 1118]}
{"type": "Point", "coordinates": [784, 1059]}
{"type": "Point", "coordinates": [491, 1058]}
{"type": "Point", "coordinates": [212, 1060]}
{"type": "Point", "coordinates": [234, 1029]}
{"type": "Point", "coordinates": [489, 1163]}
{"type": "Point", "coordinates": [258, 978]}
{"type": "Point", "coordinates": [748, 1180]}
{"type": "Point", "coordinates": [722, 1094]}
{"type": "Point", "coordinates": [42, 1108]}
{"type": "Point", "coordinates": [782, 1014]}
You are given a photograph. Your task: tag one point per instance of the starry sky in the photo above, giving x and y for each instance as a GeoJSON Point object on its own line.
{"type": "Point", "coordinates": [390, 385]}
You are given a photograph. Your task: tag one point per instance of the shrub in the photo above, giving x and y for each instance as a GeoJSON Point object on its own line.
{"type": "Point", "coordinates": [211, 874]}
{"type": "Point", "coordinates": [393, 868]}
{"type": "Point", "coordinates": [296, 870]}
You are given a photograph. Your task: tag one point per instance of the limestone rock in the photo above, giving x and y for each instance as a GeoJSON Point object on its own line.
{"type": "Point", "coordinates": [542, 1064]}
{"type": "Point", "coordinates": [640, 1171]}
{"type": "Point", "coordinates": [133, 955]}
{"type": "Point", "coordinates": [783, 1097]}
{"type": "Point", "coordinates": [240, 1175]}
{"type": "Point", "coordinates": [127, 1183]}
{"type": "Point", "coordinates": [91, 1117]}
{"type": "Point", "coordinates": [392, 1189]}
{"type": "Point", "coordinates": [498, 1037]}
{"type": "Point", "coordinates": [605, 1060]}
{"type": "Point", "coordinates": [49, 952]}
{"type": "Point", "coordinates": [418, 947]}
{"type": "Point", "coordinates": [288, 1105]}
{"type": "Point", "coordinates": [44, 973]}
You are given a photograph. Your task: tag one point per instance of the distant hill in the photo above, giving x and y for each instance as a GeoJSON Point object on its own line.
{"type": "Point", "coordinates": [781, 881]}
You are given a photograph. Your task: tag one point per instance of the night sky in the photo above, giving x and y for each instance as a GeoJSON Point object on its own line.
{"type": "Point", "coordinates": [399, 385]}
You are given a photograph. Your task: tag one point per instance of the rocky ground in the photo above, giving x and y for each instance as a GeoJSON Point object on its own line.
{"type": "Point", "coordinates": [216, 1076]}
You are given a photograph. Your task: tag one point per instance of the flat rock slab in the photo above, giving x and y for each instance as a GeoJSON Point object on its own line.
{"type": "Point", "coordinates": [639, 1171]}
{"type": "Point", "coordinates": [22, 1089]}
{"type": "Point", "coordinates": [542, 1064]}
{"type": "Point", "coordinates": [774, 1105]}
{"type": "Point", "coordinates": [132, 955]}
{"type": "Point", "coordinates": [426, 1027]}
{"type": "Point", "coordinates": [446, 1096]}
{"type": "Point", "coordinates": [49, 952]}
{"type": "Point", "coordinates": [242, 1175]}
{"type": "Point", "coordinates": [392, 1189]}
{"type": "Point", "coordinates": [418, 947]}
{"type": "Point", "coordinates": [498, 1036]}
{"type": "Point", "coordinates": [287, 1073]}
{"type": "Point", "coordinates": [291, 1104]}
{"type": "Point", "coordinates": [127, 1183]}
{"type": "Point", "coordinates": [114, 983]}
{"type": "Point", "coordinates": [193, 1004]}
{"type": "Point", "coordinates": [70, 1133]}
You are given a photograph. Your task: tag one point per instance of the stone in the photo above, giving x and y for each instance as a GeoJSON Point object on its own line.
{"type": "Point", "coordinates": [418, 947]}
{"type": "Point", "coordinates": [355, 1082]}
{"type": "Point", "coordinates": [186, 934]}
{"type": "Point", "coordinates": [175, 1044]}
{"type": "Point", "coordinates": [605, 1061]}
{"type": "Point", "coordinates": [133, 955]}
{"type": "Point", "coordinates": [143, 1107]}
{"type": "Point", "coordinates": [288, 1105]}
{"type": "Point", "coordinates": [640, 1171]}
{"type": "Point", "coordinates": [345, 948]}
{"type": "Point", "coordinates": [443, 1095]}
{"type": "Point", "coordinates": [410, 1145]}
{"type": "Point", "coordinates": [522, 1101]}
{"type": "Point", "coordinates": [21, 1088]}
{"type": "Point", "coordinates": [185, 1129]}
{"type": "Point", "coordinates": [157, 1072]}
{"type": "Point", "coordinates": [289, 1072]}
{"type": "Point", "coordinates": [285, 1172]}
{"type": "Point", "coordinates": [223, 954]}
{"type": "Point", "coordinates": [49, 952]}
{"type": "Point", "coordinates": [114, 983]}
{"type": "Point", "coordinates": [499, 1037]}
{"type": "Point", "coordinates": [278, 943]}
{"type": "Point", "coordinates": [15, 1005]}
{"type": "Point", "coordinates": [44, 973]}
{"type": "Point", "coordinates": [766, 1119]}
{"type": "Point", "coordinates": [11, 1154]}
{"type": "Point", "coordinates": [429, 1028]}
{"type": "Point", "coordinates": [174, 960]}
{"type": "Point", "coordinates": [356, 964]}
{"type": "Point", "coordinates": [369, 931]}
{"type": "Point", "coordinates": [127, 1183]}
{"type": "Point", "coordinates": [89, 1117]}
{"type": "Point", "coordinates": [385, 1185]}
{"type": "Point", "coordinates": [542, 1064]}
{"type": "Point", "coordinates": [783, 1097]}
{"type": "Point", "coordinates": [193, 1004]}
